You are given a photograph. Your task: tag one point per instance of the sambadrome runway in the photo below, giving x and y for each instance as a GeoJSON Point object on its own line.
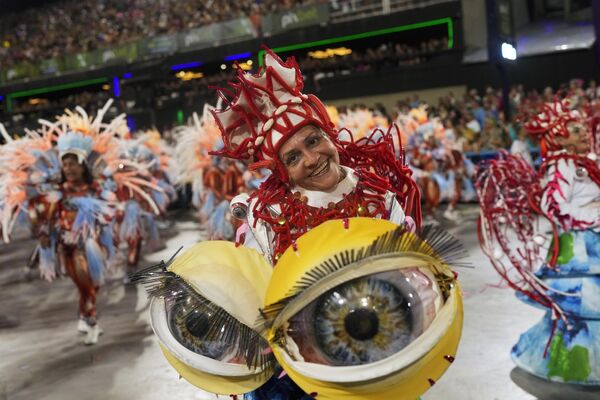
{"type": "Point", "coordinates": [43, 357]}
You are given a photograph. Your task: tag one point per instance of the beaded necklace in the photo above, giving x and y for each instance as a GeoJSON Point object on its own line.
{"type": "Point", "coordinates": [368, 199]}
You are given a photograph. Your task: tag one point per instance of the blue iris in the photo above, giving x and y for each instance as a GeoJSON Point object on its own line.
{"type": "Point", "coordinates": [366, 320]}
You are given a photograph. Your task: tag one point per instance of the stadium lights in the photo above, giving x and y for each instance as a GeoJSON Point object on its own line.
{"type": "Point", "coordinates": [189, 75]}
{"type": "Point", "coordinates": [35, 101]}
{"type": "Point", "coordinates": [192, 64]}
{"type": "Point", "coordinates": [234, 57]}
{"type": "Point", "coordinates": [328, 53]}
{"type": "Point", "coordinates": [243, 66]}
{"type": "Point", "coordinates": [131, 124]}
{"type": "Point", "coordinates": [223, 66]}
{"type": "Point", "coordinates": [401, 28]}
{"type": "Point", "coordinates": [508, 51]}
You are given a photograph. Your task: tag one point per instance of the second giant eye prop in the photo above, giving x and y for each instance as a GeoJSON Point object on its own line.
{"type": "Point", "coordinates": [362, 310]}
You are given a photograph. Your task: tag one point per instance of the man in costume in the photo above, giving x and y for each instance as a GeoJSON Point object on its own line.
{"type": "Point", "coordinates": [137, 213]}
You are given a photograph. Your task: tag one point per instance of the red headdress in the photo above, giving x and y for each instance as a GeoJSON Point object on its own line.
{"type": "Point", "coordinates": [553, 122]}
{"type": "Point", "coordinates": [266, 110]}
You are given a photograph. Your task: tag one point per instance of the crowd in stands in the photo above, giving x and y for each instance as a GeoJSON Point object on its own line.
{"type": "Point", "coordinates": [477, 124]}
{"type": "Point", "coordinates": [385, 56]}
{"type": "Point", "coordinates": [478, 119]}
{"type": "Point", "coordinates": [72, 26]}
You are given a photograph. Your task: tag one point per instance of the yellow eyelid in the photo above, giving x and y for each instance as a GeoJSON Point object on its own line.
{"type": "Point", "coordinates": [216, 268]}
{"type": "Point", "coordinates": [224, 385]}
{"type": "Point", "coordinates": [334, 238]}
{"type": "Point", "coordinates": [235, 279]}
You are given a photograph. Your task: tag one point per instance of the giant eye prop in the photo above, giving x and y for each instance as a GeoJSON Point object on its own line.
{"type": "Point", "coordinates": [202, 327]}
{"type": "Point", "coordinates": [362, 310]}
{"type": "Point", "coordinates": [366, 310]}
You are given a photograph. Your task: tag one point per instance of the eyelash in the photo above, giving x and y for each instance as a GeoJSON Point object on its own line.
{"type": "Point", "coordinates": [431, 241]}
{"type": "Point", "coordinates": [161, 283]}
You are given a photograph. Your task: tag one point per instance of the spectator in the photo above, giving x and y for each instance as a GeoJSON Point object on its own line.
{"type": "Point", "coordinates": [520, 147]}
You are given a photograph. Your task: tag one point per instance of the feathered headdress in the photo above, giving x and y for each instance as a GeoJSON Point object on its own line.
{"type": "Point", "coordinates": [152, 140]}
{"type": "Point", "coordinates": [84, 136]}
{"type": "Point", "coordinates": [75, 143]}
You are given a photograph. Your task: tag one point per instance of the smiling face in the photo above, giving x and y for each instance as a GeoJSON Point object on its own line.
{"type": "Point", "coordinates": [311, 160]}
{"type": "Point", "coordinates": [72, 169]}
{"type": "Point", "coordinates": [577, 142]}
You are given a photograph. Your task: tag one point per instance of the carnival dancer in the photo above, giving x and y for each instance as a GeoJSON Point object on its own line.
{"type": "Point", "coordinates": [138, 211]}
{"type": "Point", "coordinates": [223, 181]}
{"type": "Point", "coordinates": [215, 181]}
{"type": "Point", "coordinates": [515, 201]}
{"type": "Point", "coordinates": [15, 159]}
{"type": "Point", "coordinates": [439, 167]}
{"type": "Point", "coordinates": [72, 219]}
{"type": "Point", "coordinates": [359, 120]}
{"type": "Point", "coordinates": [193, 143]}
{"type": "Point", "coordinates": [306, 219]}
{"type": "Point", "coordinates": [69, 171]}
{"type": "Point", "coordinates": [78, 247]}
{"type": "Point", "coordinates": [162, 167]}
{"type": "Point", "coordinates": [458, 171]}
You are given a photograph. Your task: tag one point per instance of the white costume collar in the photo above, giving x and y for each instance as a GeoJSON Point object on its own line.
{"type": "Point", "coordinates": [320, 199]}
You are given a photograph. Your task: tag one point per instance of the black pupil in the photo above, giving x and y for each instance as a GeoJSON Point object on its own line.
{"type": "Point", "coordinates": [197, 324]}
{"type": "Point", "coordinates": [362, 324]}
